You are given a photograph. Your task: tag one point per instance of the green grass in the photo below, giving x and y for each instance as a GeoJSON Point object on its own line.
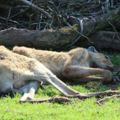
{"type": "Point", "coordinates": [11, 109]}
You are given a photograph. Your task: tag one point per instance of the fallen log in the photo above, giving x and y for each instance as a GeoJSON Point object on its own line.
{"type": "Point", "coordinates": [106, 40]}
{"type": "Point", "coordinates": [57, 39]}
{"type": "Point", "coordinates": [47, 39]}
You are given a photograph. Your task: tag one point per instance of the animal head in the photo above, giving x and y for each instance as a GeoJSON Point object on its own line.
{"type": "Point", "coordinates": [100, 60]}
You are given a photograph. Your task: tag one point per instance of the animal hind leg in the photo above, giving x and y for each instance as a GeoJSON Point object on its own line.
{"type": "Point", "coordinates": [43, 73]}
{"type": "Point", "coordinates": [28, 91]}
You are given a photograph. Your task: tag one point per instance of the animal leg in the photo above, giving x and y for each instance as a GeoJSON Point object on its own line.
{"type": "Point", "coordinates": [75, 72]}
{"type": "Point", "coordinates": [43, 73]}
{"type": "Point", "coordinates": [28, 91]}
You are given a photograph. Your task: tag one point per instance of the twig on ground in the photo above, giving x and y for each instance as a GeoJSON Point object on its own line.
{"type": "Point", "coordinates": [98, 94]}
{"type": "Point", "coordinates": [101, 101]}
{"type": "Point", "coordinates": [59, 99]}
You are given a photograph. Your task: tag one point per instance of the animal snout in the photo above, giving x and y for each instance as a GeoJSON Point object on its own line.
{"type": "Point", "coordinates": [110, 68]}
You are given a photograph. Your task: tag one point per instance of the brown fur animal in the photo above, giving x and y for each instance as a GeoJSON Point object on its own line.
{"type": "Point", "coordinates": [78, 63]}
{"type": "Point", "coordinates": [18, 72]}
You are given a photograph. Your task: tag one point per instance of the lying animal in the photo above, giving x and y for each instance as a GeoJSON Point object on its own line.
{"type": "Point", "coordinates": [21, 73]}
{"type": "Point", "coordinates": [78, 63]}
{"type": "Point", "coordinates": [18, 72]}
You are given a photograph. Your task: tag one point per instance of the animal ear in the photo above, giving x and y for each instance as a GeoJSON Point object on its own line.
{"type": "Point", "coordinates": [92, 49]}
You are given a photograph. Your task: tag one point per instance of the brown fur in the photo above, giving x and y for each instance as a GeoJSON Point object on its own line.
{"type": "Point", "coordinates": [18, 72]}
{"type": "Point", "coordinates": [76, 64]}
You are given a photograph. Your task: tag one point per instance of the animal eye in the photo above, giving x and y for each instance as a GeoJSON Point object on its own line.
{"type": "Point", "coordinates": [106, 57]}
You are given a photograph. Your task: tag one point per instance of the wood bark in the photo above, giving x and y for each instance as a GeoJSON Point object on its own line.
{"type": "Point", "coordinates": [106, 40]}
{"type": "Point", "coordinates": [55, 39]}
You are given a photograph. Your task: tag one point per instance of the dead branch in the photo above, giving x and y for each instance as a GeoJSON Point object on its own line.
{"type": "Point", "coordinates": [36, 7]}
{"type": "Point", "coordinates": [96, 94]}
{"type": "Point", "coordinates": [57, 99]}
{"type": "Point", "coordinates": [101, 101]}
{"type": "Point", "coordinates": [79, 96]}
{"type": "Point", "coordinates": [104, 93]}
{"type": "Point", "coordinates": [110, 39]}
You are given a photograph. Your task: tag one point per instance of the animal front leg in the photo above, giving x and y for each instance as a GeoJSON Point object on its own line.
{"type": "Point", "coordinates": [75, 72]}
{"type": "Point", "coordinates": [86, 79]}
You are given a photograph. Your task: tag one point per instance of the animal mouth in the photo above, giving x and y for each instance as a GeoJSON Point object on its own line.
{"type": "Point", "coordinates": [94, 65]}
{"type": "Point", "coordinates": [107, 67]}
{"type": "Point", "coordinates": [110, 68]}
